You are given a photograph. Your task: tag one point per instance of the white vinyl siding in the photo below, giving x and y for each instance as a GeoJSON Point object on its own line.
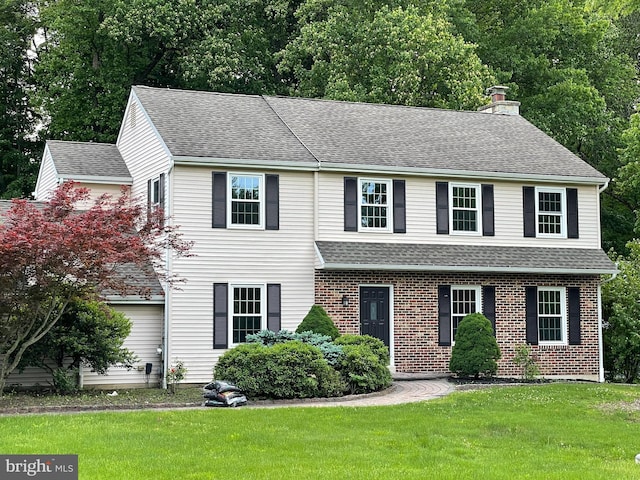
{"type": "Point", "coordinates": [421, 216]}
{"type": "Point", "coordinates": [143, 151]}
{"type": "Point", "coordinates": [47, 178]}
{"type": "Point", "coordinates": [237, 257]}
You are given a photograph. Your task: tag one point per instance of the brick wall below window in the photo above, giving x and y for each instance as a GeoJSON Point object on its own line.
{"type": "Point", "coordinates": [415, 317]}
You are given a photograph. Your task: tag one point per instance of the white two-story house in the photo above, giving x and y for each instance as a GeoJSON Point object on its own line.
{"type": "Point", "coordinates": [399, 221]}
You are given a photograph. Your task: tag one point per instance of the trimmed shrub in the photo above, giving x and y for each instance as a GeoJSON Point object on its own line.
{"type": "Point", "coordinates": [284, 370]}
{"type": "Point", "coordinates": [476, 350]}
{"type": "Point", "coordinates": [376, 345]}
{"type": "Point", "coordinates": [330, 351]}
{"type": "Point", "coordinates": [362, 370]}
{"type": "Point", "coordinates": [318, 321]}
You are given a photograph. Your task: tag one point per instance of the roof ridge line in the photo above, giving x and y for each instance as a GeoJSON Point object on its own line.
{"type": "Point", "coordinates": [265, 99]}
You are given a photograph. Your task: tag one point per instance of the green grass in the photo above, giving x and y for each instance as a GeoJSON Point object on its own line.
{"type": "Point", "coordinates": [553, 431]}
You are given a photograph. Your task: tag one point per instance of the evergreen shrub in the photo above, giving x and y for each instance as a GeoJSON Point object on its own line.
{"type": "Point", "coordinates": [362, 370]}
{"type": "Point", "coordinates": [284, 370]}
{"type": "Point", "coordinates": [376, 345]}
{"type": "Point", "coordinates": [476, 350]}
{"type": "Point", "coordinates": [330, 351]}
{"type": "Point", "coordinates": [318, 321]}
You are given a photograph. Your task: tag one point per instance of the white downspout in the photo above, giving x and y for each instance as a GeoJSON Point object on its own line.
{"type": "Point", "coordinates": [167, 292]}
{"type": "Point", "coordinates": [600, 338]}
{"type": "Point", "coordinates": [316, 193]}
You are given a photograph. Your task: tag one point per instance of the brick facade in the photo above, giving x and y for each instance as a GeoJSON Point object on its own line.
{"type": "Point", "coordinates": [415, 317]}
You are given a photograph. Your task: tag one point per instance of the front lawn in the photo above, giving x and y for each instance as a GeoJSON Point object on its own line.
{"type": "Point", "coordinates": [551, 431]}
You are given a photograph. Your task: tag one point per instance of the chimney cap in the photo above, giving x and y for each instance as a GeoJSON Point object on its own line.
{"type": "Point", "coordinates": [497, 89]}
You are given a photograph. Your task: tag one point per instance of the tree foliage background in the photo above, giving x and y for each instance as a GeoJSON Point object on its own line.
{"type": "Point", "coordinates": [573, 64]}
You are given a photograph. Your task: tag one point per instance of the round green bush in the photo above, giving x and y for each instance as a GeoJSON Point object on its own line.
{"type": "Point", "coordinates": [362, 370]}
{"type": "Point", "coordinates": [376, 345]}
{"type": "Point", "coordinates": [318, 321]}
{"type": "Point", "coordinates": [476, 350]}
{"type": "Point", "coordinates": [284, 370]}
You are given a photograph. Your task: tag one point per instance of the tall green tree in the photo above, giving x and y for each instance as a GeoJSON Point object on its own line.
{"type": "Point", "coordinates": [17, 144]}
{"type": "Point", "coordinates": [398, 55]}
{"type": "Point", "coordinates": [622, 318]}
{"type": "Point", "coordinates": [571, 68]}
{"type": "Point", "coordinates": [96, 50]}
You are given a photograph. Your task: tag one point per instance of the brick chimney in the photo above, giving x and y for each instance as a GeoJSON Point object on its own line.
{"type": "Point", "coordinates": [499, 104]}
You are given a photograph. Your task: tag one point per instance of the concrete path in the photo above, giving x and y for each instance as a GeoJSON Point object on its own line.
{"type": "Point", "coordinates": [402, 391]}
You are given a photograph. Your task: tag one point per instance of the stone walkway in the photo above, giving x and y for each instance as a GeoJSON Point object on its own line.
{"type": "Point", "coordinates": [402, 391]}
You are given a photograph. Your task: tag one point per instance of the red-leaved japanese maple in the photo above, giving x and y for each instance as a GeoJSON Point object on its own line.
{"type": "Point", "coordinates": [53, 252]}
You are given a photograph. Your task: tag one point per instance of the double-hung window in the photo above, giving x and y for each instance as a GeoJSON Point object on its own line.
{"type": "Point", "coordinates": [246, 196]}
{"type": "Point", "coordinates": [155, 195]}
{"type": "Point", "coordinates": [464, 301]}
{"type": "Point", "coordinates": [465, 208]}
{"type": "Point", "coordinates": [550, 212]}
{"type": "Point", "coordinates": [552, 319]}
{"type": "Point", "coordinates": [375, 205]}
{"type": "Point", "coordinates": [248, 311]}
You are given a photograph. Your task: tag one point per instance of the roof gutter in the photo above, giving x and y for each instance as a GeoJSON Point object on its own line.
{"type": "Point", "coordinates": [467, 174]}
{"type": "Point", "coordinates": [226, 162]}
{"type": "Point", "coordinates": [463, 268]}
{"type": "Point", "coordinates": [97, 179]}
{"type": "Point", "coordinates": [392, 170]}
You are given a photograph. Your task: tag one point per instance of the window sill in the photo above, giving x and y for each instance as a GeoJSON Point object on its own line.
{"type": "Point", "coordinates": [553, 346]}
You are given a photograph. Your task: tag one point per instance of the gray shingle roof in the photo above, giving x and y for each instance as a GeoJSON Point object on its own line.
{"type": "Point", "coordinates": [220, 125]}
{"type": "Point", "coordinates": [277, 129]}
{"type": "Point", "coordinates": [462, 258]}
{"type": "Point", "coordinates": [426, 138]}
{"type": "Point", "coordinates": [88, 159]}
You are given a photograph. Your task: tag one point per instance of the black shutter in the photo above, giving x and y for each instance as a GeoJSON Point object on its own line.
{"type": "Point", "coordinates": [272, 199]}
{"type": "Point", "coordinates": [531, 295]}
{"type": "Point", "coordinates": [489, 305]}
{"type": "Point", "coordinates": [350, 204]}
{"type": "Point", "coordinates": [529, 211]}
{"type": "Point", "coordinates": [273, 307]}
{"type": "Point", "coordinates": [574, 315]}
{"type": "Point", "coordinates": [161, 190]}
{"type": "Point", "coordinates": [399, 207]}
{"type": "Point", "coordinates": [220, 315]}
{"type": "Point", "coordinates": [488, 223]}
{"type": "Point", "coordinates": [572, 213]}
{"type": "Point", "coordinates": [444, 315]}
{"type": "Point", "coordinates": [219, 200]}
{"type": "Point", "coordinates": [442, 207]}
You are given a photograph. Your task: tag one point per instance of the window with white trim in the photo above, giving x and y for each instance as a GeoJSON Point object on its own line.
{"type": "Point", "coordinates": [552, 316]}
{"type": "Point", "coordinates": [550, 212]}
{"type": "Point", "coordinates": [246, 194]}
{"type": "Point", "coordinates": [375, 205]}
{"type": "Point", "coordinates": [464, 301]}
{"type": "Point", "coordinates": [465, 208]}
{"type": "Point", "coordinates": [248, 311]}
{"type": "Point", "coordinates": [154, 193]}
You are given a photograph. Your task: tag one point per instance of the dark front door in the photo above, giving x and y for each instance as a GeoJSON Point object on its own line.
{"type": "Point", "coordinates": [374, 312]}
